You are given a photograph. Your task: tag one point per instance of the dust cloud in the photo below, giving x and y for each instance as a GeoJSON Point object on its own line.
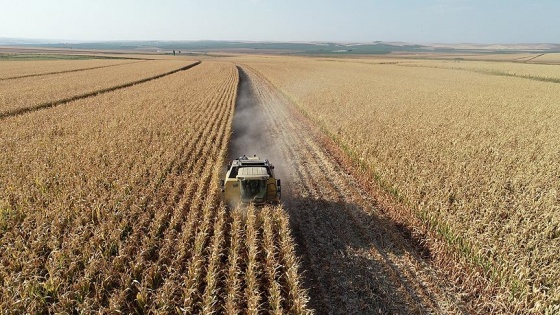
{"type": "Point", "coordinates": [252, 132]}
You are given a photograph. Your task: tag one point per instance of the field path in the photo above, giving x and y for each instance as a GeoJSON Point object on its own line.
{"type": "Point", "coordinates": [354, 259]}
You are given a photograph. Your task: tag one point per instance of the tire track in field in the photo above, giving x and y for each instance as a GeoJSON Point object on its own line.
{"type": "Point", "coordinates": [21, 111]}
{"type": "Point", "coordinates": [533, 58]}
{"type": "Point", "coordinates": [355, 260]}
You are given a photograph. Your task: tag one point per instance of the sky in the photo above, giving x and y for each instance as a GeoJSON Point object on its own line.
{"type": "Point", "coordinates": [414, 21]}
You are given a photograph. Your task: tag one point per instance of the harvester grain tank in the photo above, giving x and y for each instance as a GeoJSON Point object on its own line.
{"type": "Point", "coordinates": [251, 180]}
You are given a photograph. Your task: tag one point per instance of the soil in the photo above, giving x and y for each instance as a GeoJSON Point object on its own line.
{"type": "Point", "coordinates": [354, 259]}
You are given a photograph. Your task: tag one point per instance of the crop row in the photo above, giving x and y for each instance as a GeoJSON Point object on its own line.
{"type": "Point", "coordinates": [111, 204]}
{"type": "Point", "coordinates": [18, 69]}
{"type": "Point", "coordinates": [33, 92]}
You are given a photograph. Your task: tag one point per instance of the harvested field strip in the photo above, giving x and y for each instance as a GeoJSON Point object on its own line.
{"type": "Point", "coordinates": [68, 71]}
{"type": "Point", "coordinates": [30, 94]}
{"type": "Point", "coordinates": [349, 251]}
{"type": "Point", "coordinates": [477, 167]}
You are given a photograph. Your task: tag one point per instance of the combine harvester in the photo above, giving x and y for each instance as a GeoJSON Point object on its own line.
{"type": "Point", "coordinates": [250, 180]}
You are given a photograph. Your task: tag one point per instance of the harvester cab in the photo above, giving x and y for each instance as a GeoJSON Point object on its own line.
{"type": "Point", "coordinates": [251, 180]}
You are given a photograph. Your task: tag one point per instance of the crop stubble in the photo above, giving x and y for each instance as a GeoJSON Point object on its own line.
{"type": "Point", "coordinates": [355, 259]}
{"type": "Point", "coordinates": [474, 155]}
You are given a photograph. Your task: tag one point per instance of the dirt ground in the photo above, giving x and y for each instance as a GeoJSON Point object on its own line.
{"type": "Point", "coordinates": [354, 259]}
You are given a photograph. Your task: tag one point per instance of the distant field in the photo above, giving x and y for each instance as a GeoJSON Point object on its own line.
{"type": "Point", "coordinates": [535, 71]}
{"type": "Point", "coordinates": [10, 69]}
{"type": "Point", "coordinates": [521, 57]}
{"type": "Point", "coordinates": [543, 72]}
{"type": "Point", "coordinates": [39, 56]}
{"type": "Point", "coordinates": [550, 57]}
{"type": "Point", "coordinates": [475, 153]}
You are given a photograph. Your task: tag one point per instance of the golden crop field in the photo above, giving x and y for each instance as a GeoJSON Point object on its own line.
{"type": "Point", "coordinates": [548, 58]}
{"type": "Point", "coordinates": [30, 92]}
{"type": "Point", "coordinates": [475, 154]}
{"type": "Point", "coordinates": [492, 57]}
{"type": "Point", "coordinates": [413, 185]}
{"type": "Point", "coordinates": [544, 72]}
{"type": "Point", "coordinates": [19, 68]}
{"type": "Point", "coordinates": [535, 71]}
{"type": "Point", "coordinates": [110, 203]}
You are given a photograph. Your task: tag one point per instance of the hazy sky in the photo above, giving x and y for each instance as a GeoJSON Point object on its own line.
{"type": "Point", "coordinates": [420, 21]}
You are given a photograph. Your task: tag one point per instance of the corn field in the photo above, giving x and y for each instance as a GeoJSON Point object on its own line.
{"type": "Point", "coordinates": [110, 203]}
{"type": "Point", "coordinates": [414, 185]}
{"type": "Point", "coordinates": [472, 148]}
{"type": "Point", "coordinates": [30, 92]}
{"type": "Point", "coordinates": [19, 69]}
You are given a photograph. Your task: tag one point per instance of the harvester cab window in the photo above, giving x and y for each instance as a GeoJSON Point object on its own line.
{"type": "Point", "coordinates": [233, 172]}
{"type": "Point", "coordinates": [253, 189]}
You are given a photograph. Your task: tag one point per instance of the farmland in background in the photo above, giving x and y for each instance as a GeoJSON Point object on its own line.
{"type": "Point", "coordinates": [21, 94]}
{"type": "Point", "coordinates": [539, 72]}
{"type": "Point", "coordinates": [552, 58]}
{"type": "Point", "coordinates": [471, 147]}
{"type": "Point", "coordinates": [110, 203]}
{"type": "Point", "coordinates": [18, 69]}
